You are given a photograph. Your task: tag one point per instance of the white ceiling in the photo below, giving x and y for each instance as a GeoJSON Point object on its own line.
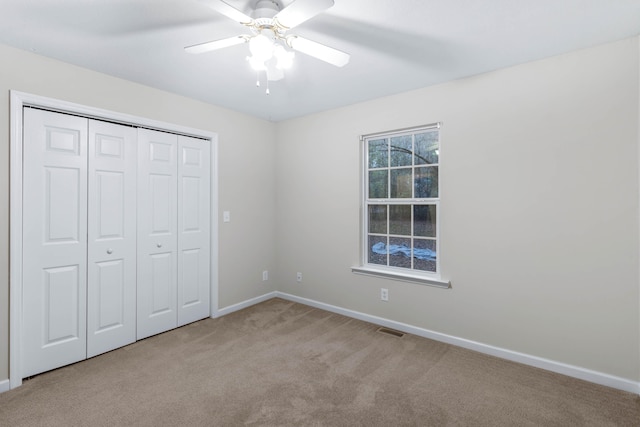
{"type": "Point", "coordinates": [395, 45]}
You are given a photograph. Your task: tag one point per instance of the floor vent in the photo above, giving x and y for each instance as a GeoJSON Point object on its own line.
{"type": "Point", "coordinates": [391, 332]}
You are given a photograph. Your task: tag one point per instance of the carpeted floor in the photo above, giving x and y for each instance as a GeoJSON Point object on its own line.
{"type": "Point", "coordinates": [286, 364]}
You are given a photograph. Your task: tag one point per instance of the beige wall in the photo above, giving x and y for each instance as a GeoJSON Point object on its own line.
{"type": "Point", "coordinates": [539, 208]}
{"type": "Point", "coordinates": [246, 158]}
{"type": "Point", "coordinates": [539, 200]}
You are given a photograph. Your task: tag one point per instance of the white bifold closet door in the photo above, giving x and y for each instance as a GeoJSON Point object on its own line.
{"type": "Point", "coordinates": [173, 231]}
{"type": "Point", "coordinates": [54, 241]}
{"type": "Point", "coordinates": [111, 287]}
{"type": "Point", "coordinates": [194, 229]}
{"type": "Point", "coordinates": [78, 224]}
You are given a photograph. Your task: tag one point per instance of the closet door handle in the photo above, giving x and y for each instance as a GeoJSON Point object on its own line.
{"type": "Point", "coordinates": [109, 251]}
{"type": "Point", "coordinates": [159, 245]}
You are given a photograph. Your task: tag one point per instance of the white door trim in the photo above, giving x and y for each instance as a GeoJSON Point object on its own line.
{"type": "Point", "coordinates": [18, 100]}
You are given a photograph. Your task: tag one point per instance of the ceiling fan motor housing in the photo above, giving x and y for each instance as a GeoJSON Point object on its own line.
{"type": "Point", "coordinates": [266, 9]}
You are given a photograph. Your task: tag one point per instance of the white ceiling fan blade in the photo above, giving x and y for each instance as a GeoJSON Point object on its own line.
{"type": "Point", "coordinates": [228, 11]}
{"type": "Point", "coordinates": [301, 10]}
{"type": "Point", "coordinates": [216, 44]}
{"type": "Point", "coordinates": [319, 51]}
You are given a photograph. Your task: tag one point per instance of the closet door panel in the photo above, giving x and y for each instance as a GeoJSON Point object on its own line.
{"type": "Point", "coordinates": [162, 270]}
{"type": "Point", "coordinates": [157, 232]}
{"type": "Point", "coordinates": [111, 315]}
{"type": "Point", "coordinates": [54, 240]}
{"type": "Point", "coordinates": [110, 307]}
{"type": "Point", "coordinates": [194, 198]}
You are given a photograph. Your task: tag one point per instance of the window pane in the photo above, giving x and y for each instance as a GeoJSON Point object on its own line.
{"type": "Point", "coordinates": [378, 219]}
{"type": "Point", "coordinates": [399, 252]}
{"type": "Point", "coordinates": [426, 184]}
{"type": "Point", "coordinates": [401, 183]}
{"type": "Point", "coordinates": [401, 150]}
{"type": "Point", "coordinates": [400, 219]}
{"type": "Point", "coordinates": [378, 154]}
{"type": "Point", "coordinates": [378, 187]}
{"type": "Point", "coordinates": [424, 254]}
{"type": "Point", "coordinates": [427, 148]}
{"type": "Point", "coordinates": [377, 250]}
{"type": "Point", "coordinates": [424, 220]}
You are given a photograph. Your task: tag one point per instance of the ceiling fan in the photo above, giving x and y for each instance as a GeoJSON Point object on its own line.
{"type": "Point", "coordinates": [270, 38]}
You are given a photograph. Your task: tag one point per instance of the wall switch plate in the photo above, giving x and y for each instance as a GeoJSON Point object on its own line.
{"type": "Point", "coordinates": [384, 294]}
{"type": "Point", "coordinates": [265, 275]}
{"type": "Point", "coordinates": [226, 216]}
{"type": "Point", "coordinates": [299, 276]}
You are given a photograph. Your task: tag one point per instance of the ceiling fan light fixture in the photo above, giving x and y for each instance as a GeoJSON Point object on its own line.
{"type": "Point", "coordinates": [256, 63]}
{"type": "Point", "coordinates": [284, 58]}
{"type": "Point", "coordinates": [261, 47]}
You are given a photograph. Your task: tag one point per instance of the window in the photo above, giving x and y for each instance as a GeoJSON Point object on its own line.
{"type": "Point", "coordinates": [401, 204]}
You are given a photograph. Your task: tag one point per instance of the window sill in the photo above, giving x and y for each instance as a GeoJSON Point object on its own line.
{"type": "Point", "coordinates": [402, 276]}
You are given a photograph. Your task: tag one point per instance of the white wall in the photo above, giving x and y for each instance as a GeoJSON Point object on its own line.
{"type": "Point", "coordinates": [539, 208]}
{"type": "Point", "coordinates": [246, 159]}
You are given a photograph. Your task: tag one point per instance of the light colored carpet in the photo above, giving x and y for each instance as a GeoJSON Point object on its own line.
{"type": "Point", "coordinates": [286, 364]}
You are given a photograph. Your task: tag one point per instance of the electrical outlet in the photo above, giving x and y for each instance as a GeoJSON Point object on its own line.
{"type": "Point", "coordinates": [265, 275]}
{"type": "Point", "coordinates": [299, 276]}
{"type": "Point", "coordinates": [384, 294]}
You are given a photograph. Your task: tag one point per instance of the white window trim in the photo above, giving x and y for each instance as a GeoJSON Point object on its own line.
{"type": "Point", "coordinates": [387, 272]}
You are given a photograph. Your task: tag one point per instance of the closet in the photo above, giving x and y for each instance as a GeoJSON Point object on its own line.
{"type": "Point", "coordinates": [116, 238]}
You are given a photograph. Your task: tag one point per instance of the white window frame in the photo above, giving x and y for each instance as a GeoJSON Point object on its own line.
{"type": "Point", "coordinates": [389, 272]}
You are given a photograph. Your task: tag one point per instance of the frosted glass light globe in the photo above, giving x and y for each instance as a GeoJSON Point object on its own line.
{"type": "Point", "coordinates": [285, 58]}
{"type": "Point", "coordinates": [256, 63]}
{"type": "Point", "coordinates": [261, 47]}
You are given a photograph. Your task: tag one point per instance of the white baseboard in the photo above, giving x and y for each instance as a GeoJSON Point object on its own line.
{"type": "Point", "coordinates": [526, 359]}
{"type": "Point", "coordinates": [244, 304]}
